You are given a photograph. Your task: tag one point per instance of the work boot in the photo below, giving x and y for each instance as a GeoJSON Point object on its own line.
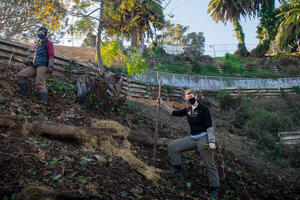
{"type": "Point", "coordinates": [214, 193]}
{"type": "Point", "coordinates": [24, 89]}
{"type": "Point", "coordinates": [44, 96]}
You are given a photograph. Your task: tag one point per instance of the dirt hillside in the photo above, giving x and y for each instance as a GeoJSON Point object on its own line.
{"type": "Point", "coordinates": [114, 168]}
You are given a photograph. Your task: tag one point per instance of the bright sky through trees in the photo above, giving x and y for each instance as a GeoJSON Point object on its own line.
{"type": "Point", "coordinates": [193, 13]}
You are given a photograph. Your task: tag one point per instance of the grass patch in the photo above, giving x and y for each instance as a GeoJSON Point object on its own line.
{"type": "Point", "coordinates": [232, 59]}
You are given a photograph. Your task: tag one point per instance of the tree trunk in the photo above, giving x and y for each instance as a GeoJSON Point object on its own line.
{"type": "Point", "coordinates": [141, 49]}
{"type": "Point", "coordinates": [268, 8]}
{"type": "Point", "coordinates": [238, 31]}
{"type": "Point", "coordinates": [134, 37]}
{"type": "Point", "coordinates": [62, 131]}
{"type": "Point", "coordinates": [85, 134]}
{"type": "Point", "coordinates": [242, 49]}
{"type": "Point", "coordinates": [98, 44]}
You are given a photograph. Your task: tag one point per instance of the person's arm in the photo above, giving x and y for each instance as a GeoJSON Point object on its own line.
{"type": "Point", "coordinates": [171, 111]}
{"type": "Point", "coordinates": [166, 107]}
{"type": "Point", "coordinates": [210, 129]}
{"type": "Point", "coordinates": [50, 50]}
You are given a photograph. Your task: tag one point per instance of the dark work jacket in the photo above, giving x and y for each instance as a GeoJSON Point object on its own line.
{"type": "Point", "coordinates": [41, 55]}
{"type": "Point", "coordinates": [199, 120]}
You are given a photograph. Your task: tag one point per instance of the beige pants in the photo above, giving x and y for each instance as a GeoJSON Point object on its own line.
{"type": "Point", "coordinates": [188, 143]}
{"type": "Point", "coordinates": [40, 80]}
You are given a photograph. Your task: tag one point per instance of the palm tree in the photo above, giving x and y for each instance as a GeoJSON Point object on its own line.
{"type": "Point", "coordinates": [232, 10]}
{"type": "Point", "coordinates": [289, 28]}
{"type": "Point", "coordinates": [151, 16]}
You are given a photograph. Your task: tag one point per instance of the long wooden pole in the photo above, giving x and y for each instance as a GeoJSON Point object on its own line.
{"type": "Point", "coordinates": [156, 127]}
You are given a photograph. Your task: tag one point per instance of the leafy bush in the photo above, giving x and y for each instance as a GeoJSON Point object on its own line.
{"type": "Point", "coordinates": [158, 52]}
{"type": "Point", "coordinates": [285, 60]}
{"type": "Point", "coordinates": [296, 89]}
{"type": "Point", "coordinates": [226, 100]}
{"type": "Point", "coordinates": [135, 63]}
{"type": "Point", "coordinates": [229, 68]}
{"type": "Point", "coordinates": [263, 126]}
{"type": "Point", "coordinates": [111, 53]}
{"type": "Point", "coordinates": [116, 69]}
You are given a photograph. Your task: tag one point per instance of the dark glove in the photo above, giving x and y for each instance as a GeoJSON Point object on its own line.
{"type": "Point", "coordinates": [28, 63]}
{"type": "Point", "coordinates": [50, 69]}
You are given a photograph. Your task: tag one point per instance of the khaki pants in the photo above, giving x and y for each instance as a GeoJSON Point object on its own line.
{"type": "Point", "coordinates": [41, 75]}
{"type": "Point", "coordinates": [188, 143]}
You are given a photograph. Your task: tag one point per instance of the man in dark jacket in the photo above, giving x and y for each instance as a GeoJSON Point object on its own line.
{"type": "Point", "coordinates": [42, 64]}
{"type": "Point", "coordinates": [201, 138]}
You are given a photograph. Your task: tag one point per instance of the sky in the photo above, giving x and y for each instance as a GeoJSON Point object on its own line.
{"type": "Point", "coordinates": [220, 38]}
{"type": "Point", "coordinates": [193, 13]}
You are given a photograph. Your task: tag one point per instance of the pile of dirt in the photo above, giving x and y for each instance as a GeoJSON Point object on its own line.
{"type": "Point", "coordinates": [116, 168]}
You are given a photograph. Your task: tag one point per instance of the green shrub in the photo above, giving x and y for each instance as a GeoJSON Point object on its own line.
{"type": "Point", "coordinates": [263, 125]}
{"type": "Point", "coordinates": [296, 89]}
{"type": "Point", "coordinates": [266, 140]}
{"type": "Point", "coordinates": [179, 68]}
{"type": "Point", "coordinates": [285, 60]}
{"type": "Point", "coordinates": [117, 70]}
{"type": "Point", "coordinates": [226, 100]}
{"type": "Point", "coordinates": [158, 52]}
{"type": "Point", "coordinates": [262, 120]}
{"type": "Point", "coordinates": [197, 68]}
{"type": "Point", "coordinates": [291, 70]}
{"type": "Point", "coordinates": [228, 67]}
{"type": "Point", "coordinates": [212, 69]}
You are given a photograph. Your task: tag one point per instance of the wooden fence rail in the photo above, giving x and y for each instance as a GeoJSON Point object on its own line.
{"type": "Point", "coordinates": [23, 52]}
{"type": "Point", "coordinates": [290, 137]}
{"type": "Point", "coordinates": [140, 89]}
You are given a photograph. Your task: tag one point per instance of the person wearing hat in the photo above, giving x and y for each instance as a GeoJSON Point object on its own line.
{"type": "Point", "coordinates": [40, 66]}
{"type": "Point", "coordinates": [201, 138]}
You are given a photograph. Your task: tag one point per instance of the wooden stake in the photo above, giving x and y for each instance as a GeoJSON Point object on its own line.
{"type": "Point", "coordinates": [156, 127]}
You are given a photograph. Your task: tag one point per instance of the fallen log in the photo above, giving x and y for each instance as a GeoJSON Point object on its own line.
{"type": "Point", "coordinates": [62, 131]}
{"type": "Point", "coordinates": [84, 134]}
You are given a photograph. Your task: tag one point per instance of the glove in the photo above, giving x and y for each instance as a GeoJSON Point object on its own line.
{"type": "Point", "coordinates": [50, 69]}
{"type": "Point", "coordinates": [28, 63]}
{"type": "Point", "coordinates": [158, 100]}
{"type": "Point", "coordinates": [212, 146]}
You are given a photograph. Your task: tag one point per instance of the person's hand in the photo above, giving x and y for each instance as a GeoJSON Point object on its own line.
{"type": "Point", "coordinates": [212, 146]}
{"type": "Point", "coordinates": [158, 100]}
{"type": "Point", "coordinates": [28, 63]}
{"type": "Point", "coordinates": [50, 69]}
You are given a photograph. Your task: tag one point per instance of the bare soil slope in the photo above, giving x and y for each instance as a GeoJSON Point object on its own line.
{"type": "Point", "coordinates": [93, 173]}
